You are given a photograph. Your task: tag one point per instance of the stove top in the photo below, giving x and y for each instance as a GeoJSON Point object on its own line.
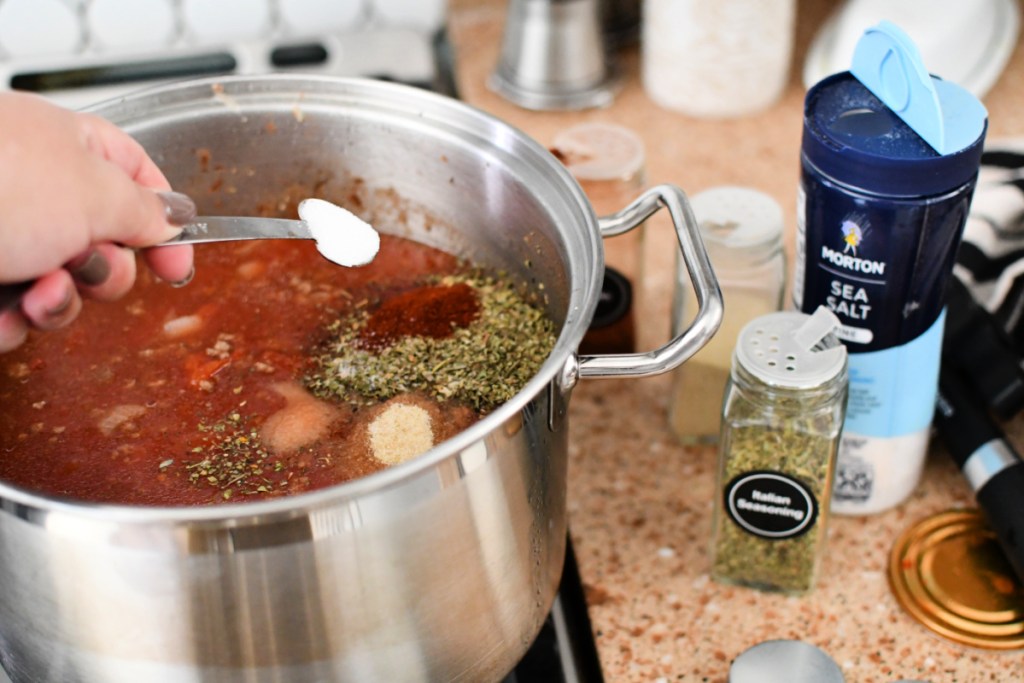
{"type": "Point", "coordinates": [404, 54]}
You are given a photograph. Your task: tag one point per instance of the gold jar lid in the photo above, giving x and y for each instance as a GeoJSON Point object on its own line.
{"type": "Point", "coordinates": [950, 573]}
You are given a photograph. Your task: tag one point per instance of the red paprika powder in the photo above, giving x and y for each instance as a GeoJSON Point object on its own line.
{"type": "Point", "coordinates": [433, 311]}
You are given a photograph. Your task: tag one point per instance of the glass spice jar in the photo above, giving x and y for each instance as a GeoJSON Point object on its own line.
{"type": "Point", "coordinates": [742, 231]}
{"type": "Point", "coordinates": [609, 162]}
{"type": "Point", "coordinates": [716, 58]}
{"type": "Point", "coordinates": [781, 421]}
{"type": "Point", "coordinates": [612, 329]}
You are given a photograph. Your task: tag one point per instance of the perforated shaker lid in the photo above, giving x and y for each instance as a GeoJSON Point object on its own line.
{"type": "Point", "coordinates": [792, 349]}
{"type": "Point", "coordinates": [738, 217]}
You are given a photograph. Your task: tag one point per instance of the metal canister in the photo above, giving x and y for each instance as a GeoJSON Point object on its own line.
{"type": "Point", "coordinates": [890, 156]}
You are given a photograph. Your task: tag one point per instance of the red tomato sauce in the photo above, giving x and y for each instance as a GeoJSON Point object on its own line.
{"type": "Point", "coordinates": [128, 403]}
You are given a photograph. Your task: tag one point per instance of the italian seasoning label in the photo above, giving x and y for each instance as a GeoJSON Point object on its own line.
{"type": "Point", "coordinates": [769, 525]}
{"type": "Point", "coordinates": [771, 505]}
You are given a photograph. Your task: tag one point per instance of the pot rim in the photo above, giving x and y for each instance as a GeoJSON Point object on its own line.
{"type": "Point", "coordinates": [424, 106]}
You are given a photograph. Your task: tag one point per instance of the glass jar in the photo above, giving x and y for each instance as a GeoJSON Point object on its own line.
{"type": "Point", "coordinates": [781, 420]}
{"type": "Point", "coordinates": [609, 162]}
{"type": "Point", "coordinates": [742, 231]}
{"type": "Point", "coordinates": [716, 58]}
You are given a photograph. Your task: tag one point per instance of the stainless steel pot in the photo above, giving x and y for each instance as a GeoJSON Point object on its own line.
{"type": "Point", "coordinates": [440, 569]}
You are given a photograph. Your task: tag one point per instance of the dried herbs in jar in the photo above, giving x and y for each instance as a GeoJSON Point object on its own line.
{"type": "Point", "coordinates": [782, 416]}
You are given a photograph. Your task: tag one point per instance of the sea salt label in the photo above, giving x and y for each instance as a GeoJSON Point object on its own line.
{"type": "Point", "coordinates": [879, 267]}
{"type": "Point", "coordinates": [341, 236]}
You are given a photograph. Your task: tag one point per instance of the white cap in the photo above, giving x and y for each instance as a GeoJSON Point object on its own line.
{"type": "Point", "coordinates": [737, 217]}
{"type": "Point", "coordinates": [792, 349]}
{"type": "Point", "coordinates": [600, 151]}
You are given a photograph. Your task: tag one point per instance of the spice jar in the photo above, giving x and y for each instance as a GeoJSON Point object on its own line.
{"type": "Point", "coordinates": [742, 231]}
{"type": "Point", "coordinates": [609, 162]}
{"type": "Point", "coordinates": [781, 420]}
{"type": "Point", "coordinates": [611, 329]}
{"type": "Point", "coordinates": [716, 58]}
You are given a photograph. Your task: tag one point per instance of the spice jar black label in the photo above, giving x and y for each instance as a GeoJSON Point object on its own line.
{"type": "Point", "coordinates": [770, 505]}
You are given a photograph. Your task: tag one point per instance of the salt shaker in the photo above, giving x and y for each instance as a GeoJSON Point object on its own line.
{"type": "Point", "coordinates": [889, 160]}
{"type": "Point", "coordinates": [742, 230]}
{"type": "Point", "coordinates": [781, 420]}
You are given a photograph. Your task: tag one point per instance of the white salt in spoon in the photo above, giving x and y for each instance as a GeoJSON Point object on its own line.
{"type": "Point", "coordinates": [340, 235]}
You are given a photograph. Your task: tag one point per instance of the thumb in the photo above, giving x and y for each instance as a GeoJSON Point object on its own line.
{"type": "Point", "coordinates": [137, 207]}
{"type": "Point", "coordinates": [128, 213]}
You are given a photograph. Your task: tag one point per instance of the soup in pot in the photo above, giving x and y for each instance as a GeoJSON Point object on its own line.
{"type": "Point", "coordinates": [273, 372]}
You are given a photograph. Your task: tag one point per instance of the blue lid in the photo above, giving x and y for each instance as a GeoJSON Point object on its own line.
{"type": "Point", "coordinates": [893, 149]}
{"type": "Point", "coordinates": [888, 63]}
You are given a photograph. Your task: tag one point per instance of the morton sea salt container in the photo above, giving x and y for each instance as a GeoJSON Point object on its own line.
{"type": "Point", "coordinates": [889, 160]}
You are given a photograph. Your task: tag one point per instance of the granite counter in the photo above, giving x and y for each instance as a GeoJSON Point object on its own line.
{"type": "Point", "coordinates": [640, 503]}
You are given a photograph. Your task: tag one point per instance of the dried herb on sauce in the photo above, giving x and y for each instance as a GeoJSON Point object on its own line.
{"type": "Point", "coordinates": [484, 353]}
{"type": "Point", "coordinates": [233, 461]}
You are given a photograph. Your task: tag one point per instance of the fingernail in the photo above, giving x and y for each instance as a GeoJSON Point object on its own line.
{"type": "Point", "coordinates": [179, 208]}
{"type": "Point", "coordinates": [185, 280]}
{"type": "Point", "coordinates": [62, 307]}
{"type": "Point", "coordinates": [90, 269]}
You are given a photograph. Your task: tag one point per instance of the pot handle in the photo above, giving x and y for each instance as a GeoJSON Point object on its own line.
{"type": "Point", "coordinates": [695, 256]}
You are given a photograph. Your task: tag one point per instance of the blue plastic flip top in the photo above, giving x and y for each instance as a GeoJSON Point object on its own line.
{"type": "Point", "coordinates": [946, 116]}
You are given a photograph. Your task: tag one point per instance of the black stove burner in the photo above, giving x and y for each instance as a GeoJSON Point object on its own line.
{"type": "Point", "coordinates": [564, 651]}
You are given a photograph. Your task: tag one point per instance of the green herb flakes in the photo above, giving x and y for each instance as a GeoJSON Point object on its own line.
{"type": "Point", "coordinates": [788, 564]}
{"type": "Point", "coordinates": [776, 462]}
{"type": "Point", "coordinates": [232, 461]}
{"type": "Point", "coordinates": [481, 365]}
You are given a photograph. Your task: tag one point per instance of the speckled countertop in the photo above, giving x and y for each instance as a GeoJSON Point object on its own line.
{"type": "Point", "coordinates": [640, 504]}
